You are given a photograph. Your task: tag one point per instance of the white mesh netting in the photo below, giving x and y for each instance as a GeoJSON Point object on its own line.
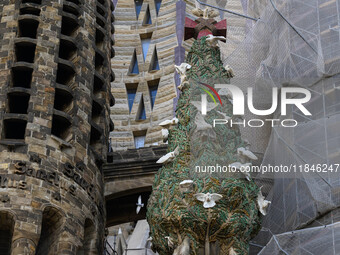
{"type": "Point", "coordinates": [273, 54]}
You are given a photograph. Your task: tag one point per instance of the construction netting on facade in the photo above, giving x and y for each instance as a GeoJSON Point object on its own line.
{"type": "Point", "coordinates": [295, 43]}
{"type": "Point", "coordinates": [318, 240]}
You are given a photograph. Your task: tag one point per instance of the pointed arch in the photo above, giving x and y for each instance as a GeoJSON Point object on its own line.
{"type": "Point", "coordinates": [158, 4]}
{"type": "Point", "coordinates": [147, 18]}
{"type": "Point", "coordinates": [138, 7]}
{"type": "Point", "coordinates": [153, 88]}
{"type": "Point", "coordinates": [131, 90]}
{"type": "Point", "coordinates": [154, 64]}
{"type": "Point", "coordinates": [133, 69]}
{"type": "Point", "coordinates": [141, 113]}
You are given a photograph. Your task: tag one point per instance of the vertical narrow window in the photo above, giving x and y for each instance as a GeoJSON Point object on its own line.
{"type": "Point", "coordinates": [134, 64]}
{"type": "Point", "coordinates": [89, 239]}
{"type": "Point", "coordinates": [141, 114]}
{"type": "Point", "coordinates": [131, 89]}
{"type": "Point", "coordinates": [50, 231]}
{"type": "Point", "coordinates": [158, 5]}
{"type": "Point", "coordinates": [145, 40]}
{"type": "Point", "coordinates": [138, 5]}
{"type": "Point", "coordinates": [147, 18]}
{"type": "Point", "coordinates": [154, 65]}
{"type": "Point", "coordinates": [153, 87]}
{"type": "Point", "coordinates": [139, 139]}
{"type": "Point", "coordinates": [6, 232]}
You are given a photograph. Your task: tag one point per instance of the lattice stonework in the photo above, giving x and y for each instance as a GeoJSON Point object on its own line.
{"type": "Point", "coordinates": [144, 85]}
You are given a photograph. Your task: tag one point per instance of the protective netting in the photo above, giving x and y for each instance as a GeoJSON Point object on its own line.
{"type": "Point", "coordinates": [275, 54]}
{"type": "Point", "coordinates": [319, 240]}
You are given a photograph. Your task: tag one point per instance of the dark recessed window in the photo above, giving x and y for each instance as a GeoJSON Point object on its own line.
{"type": "Point", "coordinates": [25, 51]}
{"type": "Point", "coordinates": [65, 74]}
{"type": "Point", "coordinates": [69, 26]}
{"type": "Point", "coordinates": [154, 65]}
{"type": "Point", "coordinates": [60, 127]}
{"type": "Point", "coordinates": [147, 19]}
{"type": "Point", "coordinates": [153, 87]}
{"type": "Point", "coordinates": [28, 28]}
{"type": "Point", "coordinates": [141, 114]}
{"type": "Point", "coordinates": [63, 100]}
{"type": "Point", "coordinates": [131, 89]}
{"type": "Point", "coordinates": [22, 76]}
{"type": "Point", "coordinates": [18, 102]}
{"type": "Point", "coordinates": [67, 49]}
{"type": "Point", "coordinates": [14, 129]}
{"type": "Point", "coordinates": [134, 64]}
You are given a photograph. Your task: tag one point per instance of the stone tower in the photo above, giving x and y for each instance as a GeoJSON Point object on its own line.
{"type": "Point", "coordinates": [54, 119]}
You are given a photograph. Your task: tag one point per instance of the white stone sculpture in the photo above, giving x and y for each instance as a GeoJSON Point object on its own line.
{"type": "Point", "coordinates": [182, 70]}
{"type": "Point", "coordinates": [262, 203]}
{"type": "Point", "coordinates": [168, 157]}
{"type": "Point", "coordinates": [213, 40]}
{"type": "Point", "coordinates": [209, 200]}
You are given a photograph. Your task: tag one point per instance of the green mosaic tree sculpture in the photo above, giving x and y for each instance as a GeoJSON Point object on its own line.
{"type": "Point", "coordinates": [180, 221]}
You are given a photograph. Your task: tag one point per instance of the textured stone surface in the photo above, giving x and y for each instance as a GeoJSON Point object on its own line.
{"type": "Point", "coordinates": [127, 39]}
{"type": "Point", "coordinates": [50, 161]}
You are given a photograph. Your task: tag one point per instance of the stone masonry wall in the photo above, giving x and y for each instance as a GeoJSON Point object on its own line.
{"type": "Point", "coordinates": [54, 124]}
{"type": "Point", "coordinates": [128, 33]}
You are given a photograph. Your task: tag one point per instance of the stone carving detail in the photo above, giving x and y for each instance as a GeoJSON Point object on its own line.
{"type": "Point", "coordinates": [182, 70]}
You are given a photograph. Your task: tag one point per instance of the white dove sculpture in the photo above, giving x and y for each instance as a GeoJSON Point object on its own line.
{"type": "Point", "coordinates": [168, 123]}
{"type": "Point", "coordinates": [242, 167]}
{"type": "Point", "coordinates": [209, 200]}
{"type": "Point", "coordinates": [186, 183]}
{"type": "Point", "coordinates": [229, 70]}
{"type": "Point", "coordinates": [168, 157]}
{"type": "Point", "coordinates": [139, 204]}
{"type": "Point", "coordinates": [212, 40]}
{"type": "Point", "coordinates": [245, 153]}
{"type": "Point", "coordinates": [262, 203]}
{"type": "Point", "coordinates": [165, 134]}
{"type": "Point", "coordinates": [182, 71]}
